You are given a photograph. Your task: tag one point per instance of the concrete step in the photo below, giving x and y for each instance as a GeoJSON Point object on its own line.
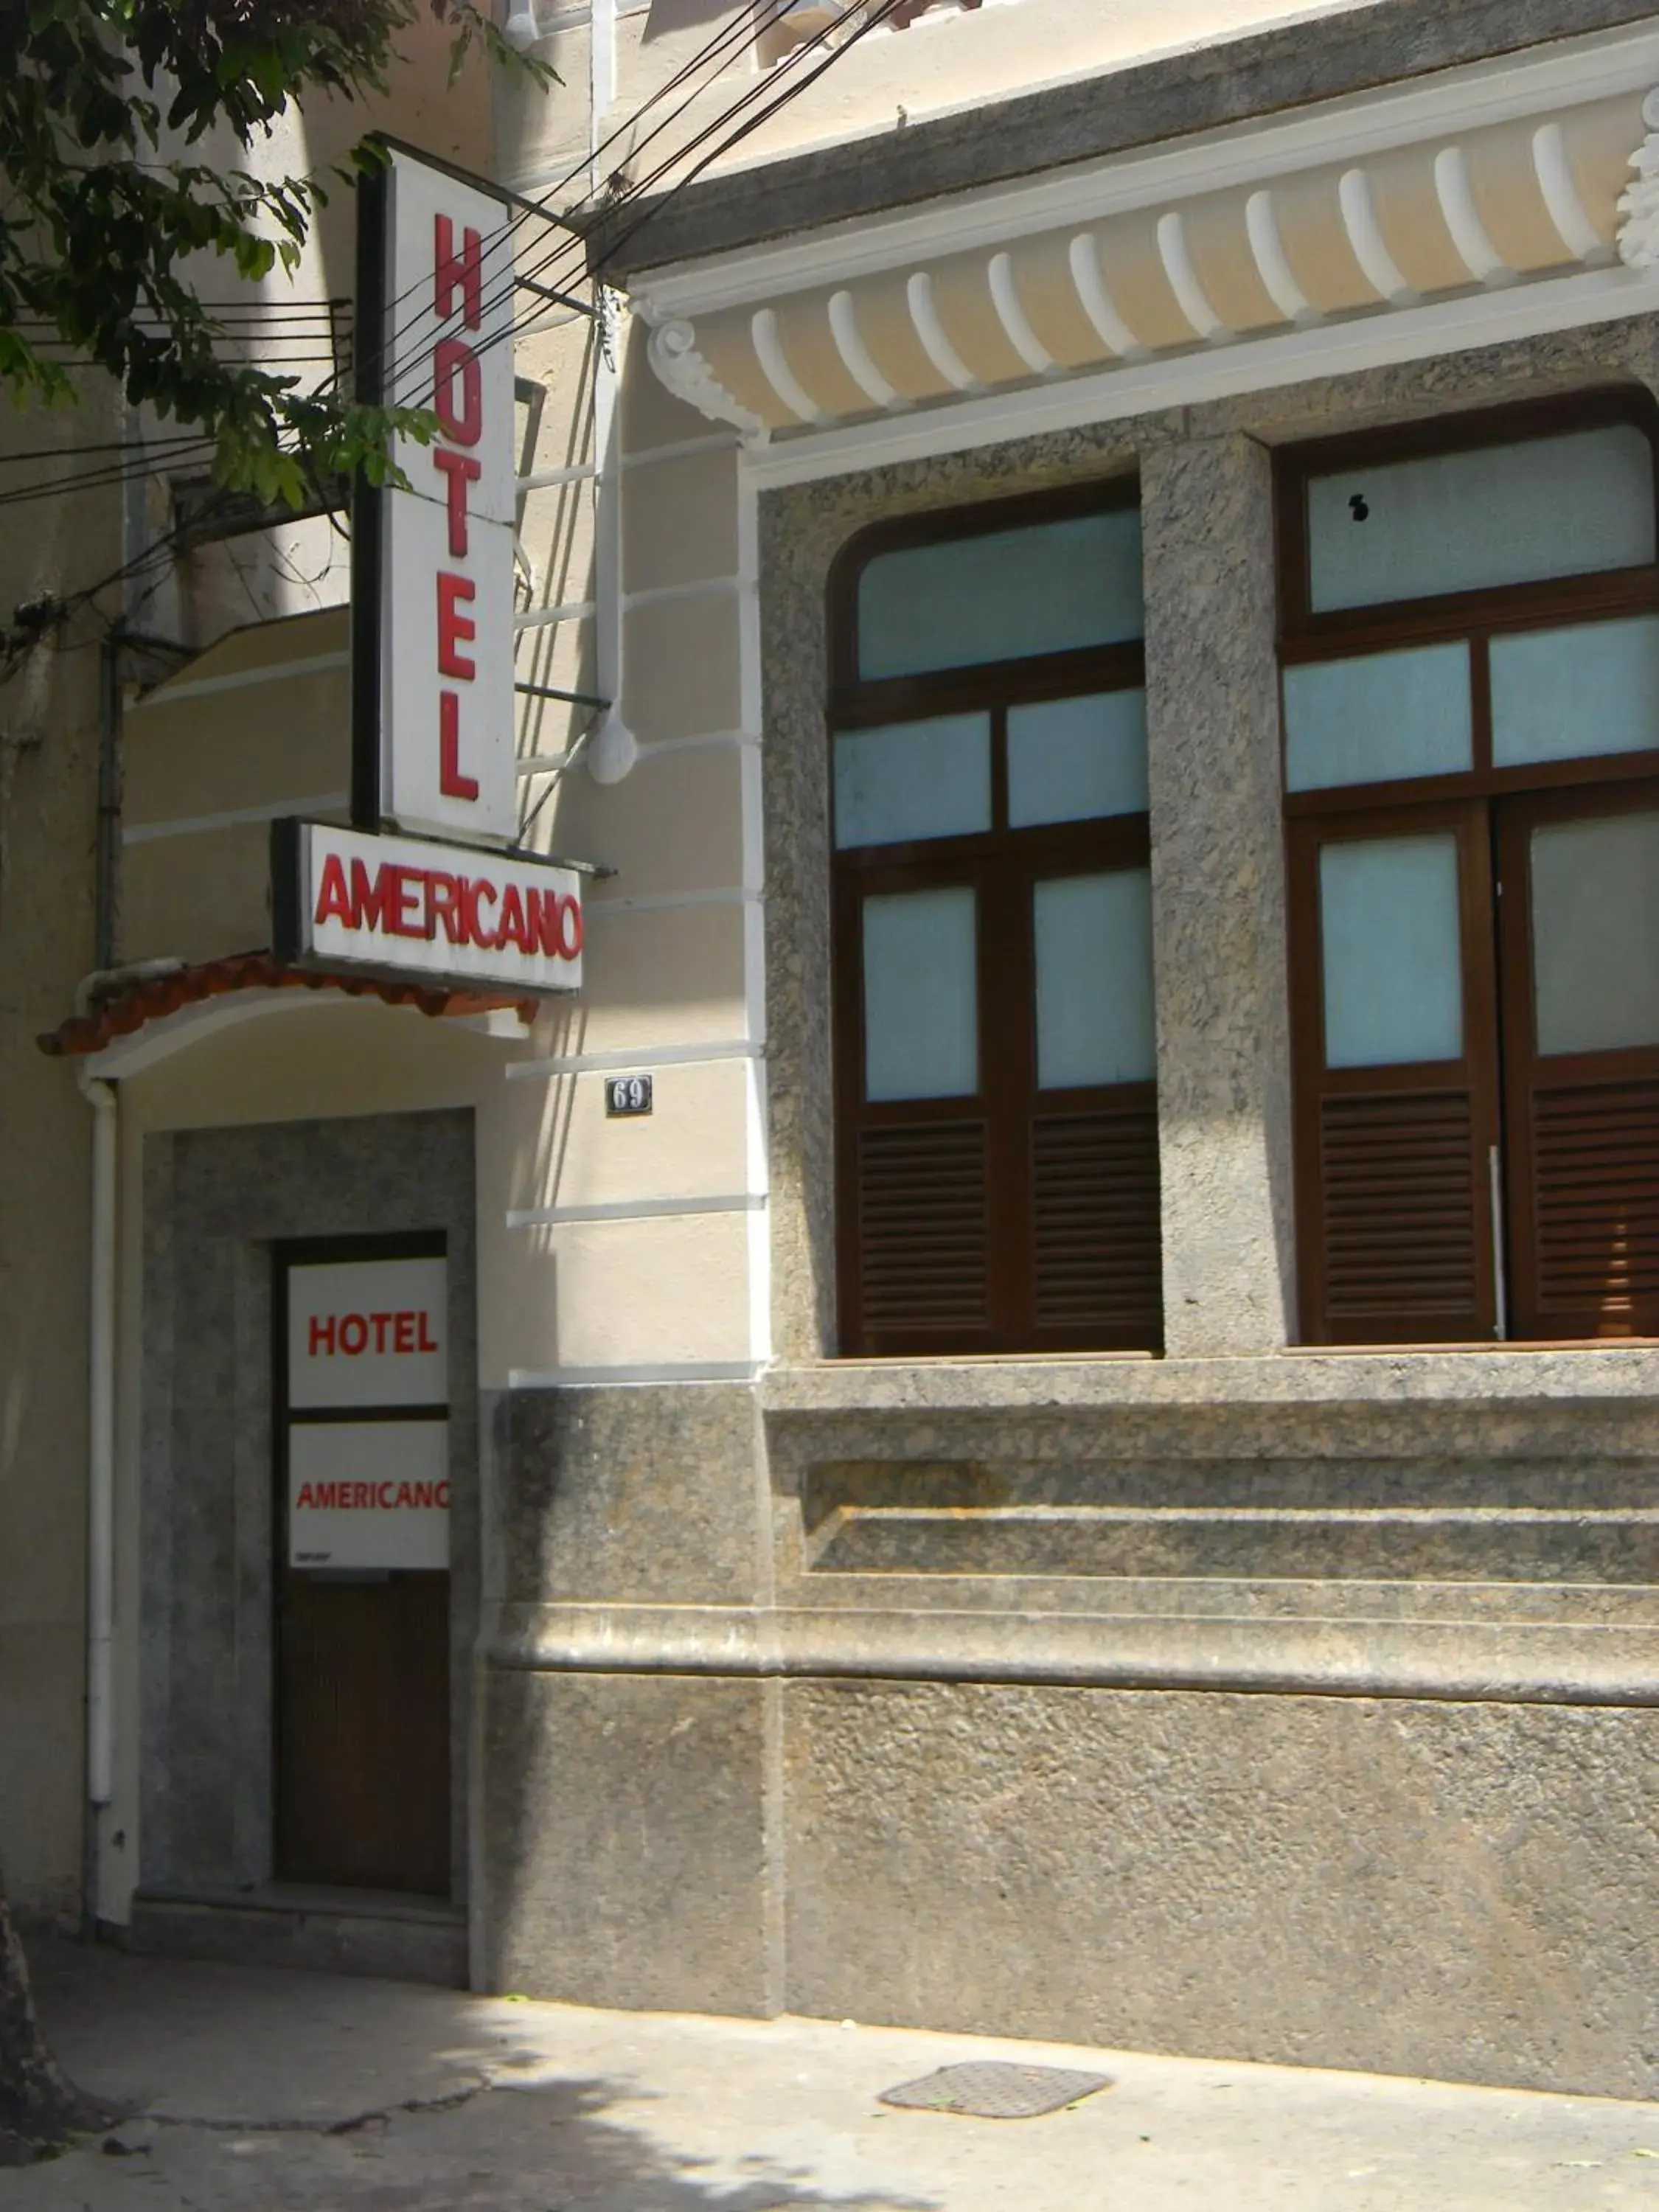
{"type": "Point", "coordinates": [340, 1931]}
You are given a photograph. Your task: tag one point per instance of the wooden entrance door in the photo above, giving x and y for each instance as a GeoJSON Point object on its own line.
{"type": "Point", "coordinates": [362, 1720]}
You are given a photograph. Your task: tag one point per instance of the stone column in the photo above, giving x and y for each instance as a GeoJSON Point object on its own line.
{"type": "Point", "coordinates": [1218, 896]}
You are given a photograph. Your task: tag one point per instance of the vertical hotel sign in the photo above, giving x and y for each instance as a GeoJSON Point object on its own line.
{"type": "Point", "coordinates": [420, 884]}
{"type": "Point", "coordinates": [432, 573]}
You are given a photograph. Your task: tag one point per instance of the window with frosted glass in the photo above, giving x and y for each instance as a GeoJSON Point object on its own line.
{"type": "Point", "coordinates": [1094, 980]}
{"type": "Point", "coordinates": [1495, 515]}
{"type": "Point", "coordinates": [913, 780]}
{"type": "Point", "coordinates": [1002, 595]}
{"type": "Point", "coordinates": [1475, 964]}
{"type": "Point", "coordinates": [1070, 760]}
{"type": "Point", "coordinates": [1378, 717]}
{"type": "Point", "coordinates": [996, 1130]}
{"type": "Point", "coordinates": [1393, 956]}
{"type": "Point", "coordinates": [1595, 905]}
{"type": "Point", "coordinates": [920, 996]}
{"type": "Point", "coordinates": [1571, 693]}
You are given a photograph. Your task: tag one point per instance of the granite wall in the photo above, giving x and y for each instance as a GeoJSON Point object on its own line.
{"type": "Point", "coordinates": [1283, 1705]}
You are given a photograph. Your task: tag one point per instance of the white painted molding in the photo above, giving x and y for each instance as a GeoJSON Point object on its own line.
{"type": "Point", "coordinates": [633, 1209]}
{"type": "Point", "coordinates": [855, 355]}
{"type": "Point", "coordinates": [1016, 324]}
{"type": "Point", "coordinates": [546, 617]}
{"type": "Point", "coordinates": [551, 479]}
{"type": "Point", "coordinates": [1639, 203]}
{"type": "Point", "coordinates": [671, 350]}
{"type": "Point", "coordinates": [935, 339]}
{"type": "Point", "coordinates": [682, 449]}
{"type": "Point", "coordinates": [1190, 296]}
{"type": "Point", "coordinates": [700, 588]}
{"type": "Point", "coordinates": [643, 1058]}
{"type": "Point", "coordinates": [774, 367]}
{"type": "Point", "coordinates": [1370, 249]}
{"type": "Point", "coordinates": [1468, 234]}
{"type": "Point", "coordinates": [1566, 210]}
{"type": "Point", "coordinates": [1262, 224]}
{"type": "Point", "coordinates": [1097, 300]}
{"type": "Point", "coordinates": [1288, 357]}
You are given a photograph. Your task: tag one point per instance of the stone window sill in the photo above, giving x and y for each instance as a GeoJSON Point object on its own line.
{"type": "Point", "coordinates": [1486, 1374]}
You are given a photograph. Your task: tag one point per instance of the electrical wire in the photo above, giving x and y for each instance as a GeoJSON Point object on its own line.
{"type": "Point", "coordinates": [763, 110]}
{"type": "Point", "coordinates": [714, 50]}
{"type": "Point", "coordinates": [737, 34]}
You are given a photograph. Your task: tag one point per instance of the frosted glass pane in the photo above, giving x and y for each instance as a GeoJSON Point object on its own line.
{"type": "Point", "coordinates": [913, 780]}
{"type": "Point", "coordinates": [1002, 595]}
{"type": "Point", "coordinates": [1094, 979]}
{"type": "Point", "coordinates": [1386, 714]}
{"type": "Point", "coordinates": [1071, 760]}
{"type": "Point", "coordinates": [920, 996]}
{"type": "Point", "coordinates": [1595, 934]}
{"type": "Point", "coordinates": [1499, 515]}
{"type": "Point", "coordinates": [1560, 694]}
{"type": "Point", "coordinates": [1394, 978]}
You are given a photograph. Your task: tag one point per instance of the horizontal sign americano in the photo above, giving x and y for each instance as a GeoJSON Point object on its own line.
{"type": "Point", "coordinates": [344, 899]}
{"type": "Point", "coordinates": [368, 1494]}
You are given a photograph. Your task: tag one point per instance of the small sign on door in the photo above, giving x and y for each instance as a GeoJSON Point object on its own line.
{"type": "Point", "coordinates": [370, 1494]}
{"type": "Point", "coordinates": [367, 1333]}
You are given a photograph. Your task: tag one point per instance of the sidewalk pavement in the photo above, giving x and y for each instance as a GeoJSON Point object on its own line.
{"type": "Point", "coordinates": [262, 2088]}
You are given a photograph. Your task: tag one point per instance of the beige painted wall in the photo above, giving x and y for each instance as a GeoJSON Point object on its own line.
{"type": "Point", "coordinates": [48, 798]}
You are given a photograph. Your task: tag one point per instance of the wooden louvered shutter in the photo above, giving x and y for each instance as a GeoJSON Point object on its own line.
{"type": "Point", "coordinates": [1394, 1160]}
{"type": "Point", "coordinates": [1095, 1225]}
{"type": "Point", "coordinates": [1580, 876]}
{"type": "Point", "coordinates": [922, 1263]}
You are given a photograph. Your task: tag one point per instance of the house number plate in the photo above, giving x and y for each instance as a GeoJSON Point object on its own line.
{"type": "Point", "coordinates": [626, 1095]}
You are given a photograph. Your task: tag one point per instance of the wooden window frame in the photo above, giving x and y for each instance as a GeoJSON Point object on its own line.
{"type": "Point", "coordinates": [1002, 863]}
{"type": "Point", "coordinates": [1492, 986]}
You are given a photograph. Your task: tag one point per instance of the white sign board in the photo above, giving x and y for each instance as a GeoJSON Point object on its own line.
{"type": "Point", "coordinates": [372, 1494]}
{"type": "Point", "coordinates": [498, 920]}
{"type": "Point", "coordinates": [367, 1333]}
{"type": "Point", "coordinates": [446, 597]}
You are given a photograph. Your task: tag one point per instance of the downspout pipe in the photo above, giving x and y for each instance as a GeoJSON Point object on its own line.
{"type": "Point", "coordinates": [100, 1469]}
{"type": "Point", "coordinates": [109, 799]}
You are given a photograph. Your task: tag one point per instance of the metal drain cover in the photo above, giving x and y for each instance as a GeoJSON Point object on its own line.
{"type": "Point", "coordinates": [995, 2091]}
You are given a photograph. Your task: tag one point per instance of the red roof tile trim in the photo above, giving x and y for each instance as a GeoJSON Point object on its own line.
{"type": "Point", "coordinates": [128, 1010]}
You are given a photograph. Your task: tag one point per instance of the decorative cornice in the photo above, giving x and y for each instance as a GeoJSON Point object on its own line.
{"type": "Point", "coordinates": [1497, 205]}
{"type": "Point", "coordinates": [672, 351]}
{"type": "Point", "coordinates": [1639, 203]}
